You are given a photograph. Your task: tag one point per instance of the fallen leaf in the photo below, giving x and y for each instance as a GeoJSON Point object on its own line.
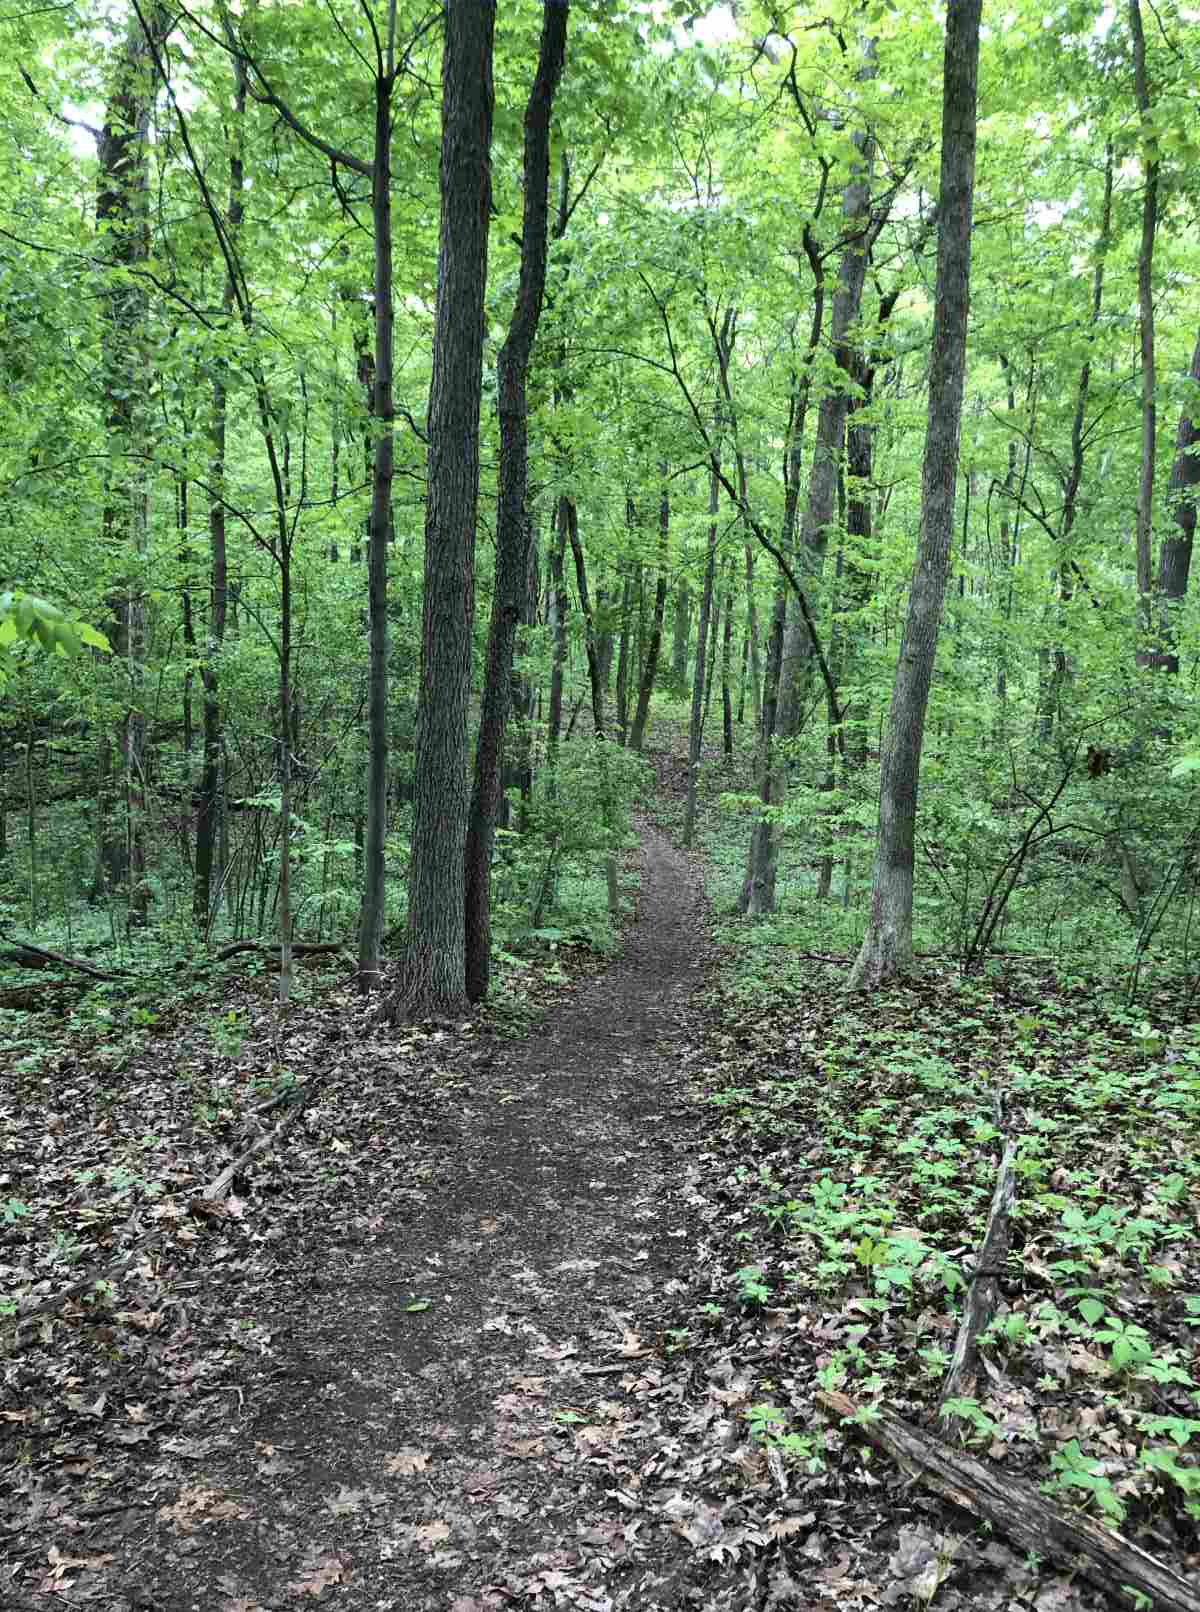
{"type": "Point", "coordinates": [406, 1461]}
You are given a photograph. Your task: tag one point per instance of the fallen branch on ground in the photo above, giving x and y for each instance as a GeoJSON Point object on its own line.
{"type": "Point", "coordinates": [300, 948]}
{"type": "Point", "coordinates": [1019, 1511]}
{"type": "Point", "coordinates": [983, 1290]}
{"type": "Point", "coordinates": [26, 955]}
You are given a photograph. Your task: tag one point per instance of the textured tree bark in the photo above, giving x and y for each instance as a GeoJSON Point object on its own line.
{"type": "Point", "coordinates": [432, 976]}
{"type": "Point", "coordinates": [370, 928]}
{"type": "Point", "coordinates": [122, 224]}
{"type": "Point", "coordinates": [887, 946]}
{"type": "Point", "coordinates": [557, 613]}
{"type": "Point", "coordinates": [1145, 272]}
{"type": "Point", "coordinates": [512, 516]}
{"type": "Point", "coordinates": [1022, 1513]}
{"type": "Point", "coordinates": [637, 732]}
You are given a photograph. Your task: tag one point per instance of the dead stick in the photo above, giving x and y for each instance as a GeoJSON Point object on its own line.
{"type": "Point", "coordinates": [983, 1290]}
{"type": "Point", "coordinates": [1018, 1510]}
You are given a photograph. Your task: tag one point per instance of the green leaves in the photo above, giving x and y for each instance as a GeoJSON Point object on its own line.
{"type": "Point", "coordinates": [26, 618]}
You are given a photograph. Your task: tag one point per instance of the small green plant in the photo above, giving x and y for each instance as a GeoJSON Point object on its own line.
{"type": "Point", "coordinates": [973, 1413]}
{"type": "Point", "coordinates": [1075, 1470]}
{"type": "Point", "coordinates": [228, 1032]}
{"type": "Point", "coordinates": [768, 1426]}
{"type": "Point", "coordinates": [752, 1287]}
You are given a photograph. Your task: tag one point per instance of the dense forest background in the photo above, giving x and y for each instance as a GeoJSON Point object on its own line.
{"type": "Point", "coordinates": [218, 223]}
{"type": "Point", "coordinates": [462, 465]}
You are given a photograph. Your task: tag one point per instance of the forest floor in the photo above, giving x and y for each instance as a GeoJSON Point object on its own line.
{"type": "Point", "coordinates": [485, 1331]}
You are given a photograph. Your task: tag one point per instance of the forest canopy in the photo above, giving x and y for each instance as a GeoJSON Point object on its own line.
{"type": "Point", "coordinates": [696, 473]}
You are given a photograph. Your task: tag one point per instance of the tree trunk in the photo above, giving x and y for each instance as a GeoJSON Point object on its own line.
{"type": "Point", "coordinates": [557, 612]}
{"type": "Point", "coordinates": [699, 685]}
{"type": "Point", "coordinates": [794, 661]}
{"type": "Point", "coordinates": [433, 973]}
{"type": "Point", "coordinates": [121, 220]}
{"type": "Point", "coordinates": [208, 816]}
{"type": "Point", "coordinates": [887, 946]}
{"type": "Point", "coordinates": [370, 928]}
{"type": "Point", "coordinates": [591, 639]}
{"type": "Point", "coordinates": [512, 517]}
{"type": "Point", "coordinates": [654, 643]}
{"type": "Point", "coordinates": [726, 677]}
{"type": "Point", "coordinates": [753, 648]}
{"type": "Point", "coordinates": [1175, 555]}
{"type": "Point", "coordinates": [681, 633]}
{"type": "Point", "coordinates": [622, 688]}
{"type": "Point", "coordinates": [1144, 513]}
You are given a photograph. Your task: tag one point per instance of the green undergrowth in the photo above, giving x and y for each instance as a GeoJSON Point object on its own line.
{"type": "Point", "coordinates": [854, 1156]}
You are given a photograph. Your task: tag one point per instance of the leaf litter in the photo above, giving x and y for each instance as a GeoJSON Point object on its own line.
{"type": "Point", "coordinates": [538, 1323]}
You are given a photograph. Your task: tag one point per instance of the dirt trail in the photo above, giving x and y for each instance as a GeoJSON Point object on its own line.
{"type": "Point", "coordinates": [418, 1431]}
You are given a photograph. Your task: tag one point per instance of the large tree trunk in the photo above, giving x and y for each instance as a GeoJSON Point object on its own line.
{"type": "Point", "coordinates": [1145, 271]}
{"type": "Point", "coordinates": [433, 976]}
{"type": "Point", "coordinates": [887, 945]}
{"type": "Point", "coordinates": [512, 517]}
{"type": "Point", "coordinates": [122, 223]}
{"type": "Point", "coordinates": [370, 929]}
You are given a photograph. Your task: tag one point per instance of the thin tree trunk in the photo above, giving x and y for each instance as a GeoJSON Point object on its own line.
{"type": "Point", "coordinates": [654, 642]}
{"type": "Point", "coordinates": [1145, 275]}
{"type": "Point", "coordinates": [681, 633]}
{"type": "Point", "coordinates": [210, 808]}
{"type": "Point", "coordinates": [370, 929]}
{"type": "Point", "coordinates": [622, 688]}
{"type": "Point", "coordinates": [887, 946]}
{"type": "Point", "coordinates": [753, 648]}
{"type": "Point", "coordinates": [794, 661]}
{"type": "Point", "coordinates": [726, 674]}
{"type": "Point", "coordinates": [591, 640]}
{"type": "Point", "coordinates": [557, 610]}
{"type": "Point", "coordinates": [699, 682]}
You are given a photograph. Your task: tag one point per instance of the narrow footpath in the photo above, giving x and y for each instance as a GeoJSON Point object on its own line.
{"type": "Point", "coordinates": [420, 1429]}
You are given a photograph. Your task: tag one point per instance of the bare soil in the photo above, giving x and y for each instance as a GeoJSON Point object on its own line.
{"type": "Point", "coordinates": [412, 1432]}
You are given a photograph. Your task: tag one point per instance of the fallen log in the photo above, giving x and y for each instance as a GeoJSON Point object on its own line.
{"type": "Point", "coordinates": [300, 948]}
{"type": "Point", "coordinates": [26, 955]}
{"type": "Point", "coordinates": [1022, 1513]}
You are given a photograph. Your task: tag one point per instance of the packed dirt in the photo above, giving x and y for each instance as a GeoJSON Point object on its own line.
{"type": "Point", "coordinates": [411, 1434]}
